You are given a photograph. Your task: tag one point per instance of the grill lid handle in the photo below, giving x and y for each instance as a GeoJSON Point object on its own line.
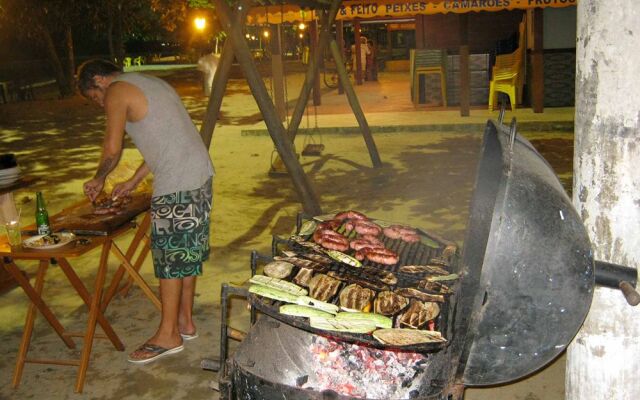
{"type": "Point", "coordinates": [618, 277]}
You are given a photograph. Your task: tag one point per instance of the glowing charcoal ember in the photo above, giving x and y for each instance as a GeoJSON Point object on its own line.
{"type": "Point", "coordinates": [363, 372]}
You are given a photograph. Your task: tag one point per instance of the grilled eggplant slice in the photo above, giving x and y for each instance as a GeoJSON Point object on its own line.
{"type": "Point", "coordinates": [417, 294]}
{"type": "Point", "coordinates": [356, 297]}
{"type": "Point", "coordinates": [303, 277]}
{"type": "Point", "coordinates": [333, 324]}
{"type": "Point", "coordinates": [407, 337]}
{"type": "Point", "coordinates": [323, 287]}
{"type": "Point", "coordinates": [419, 269]}
{"type": "Point", "coordinates": [389, 303]}
{"type": "Point", "coordinates": [418, 314]}
{"type": "Point", "coordinates": [302, 263]}
{"type": "Point", "coordinates": [434, 287]}
{"type": "Point", "coordinates": [380, 274]}
{"type": "Point", "coordinates": [319, 258]}
{"type": "Point", "coordinates": [351, 278]}
{"type": "Point", "coordinates": [278, 269]}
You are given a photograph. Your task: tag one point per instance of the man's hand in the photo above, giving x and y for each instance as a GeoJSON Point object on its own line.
{"type": "Point", "coordinates": [93, 188]}
{"type": "Point", "coordinates": [123, 188]}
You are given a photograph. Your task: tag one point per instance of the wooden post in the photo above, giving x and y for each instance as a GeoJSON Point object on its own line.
{"type": "Point", "coordinates": [604, 358]}
{"type": "Point", "coordinates": [274, 124]}
{"type": "Point", "coordinates": [219, 86]}
{"type": "Point", "coordinates": [340, 41]}
{"type": "Point", "coordinates": [355, 106]}
{"type": "Point", "coordinates": [313, 43]}
{"type": "Point", "coordinates": [277, 71]}
{"type": "Point", "coordinates": [358, 56]}
{"type": "Point", "coordinates": [420, 42]}
{"type": "Point", "coordinates": [537, 62]}
{"type": "Point", "coordinates": [465, 75]}
{"type": "Point", "coordinates": [305, 91]}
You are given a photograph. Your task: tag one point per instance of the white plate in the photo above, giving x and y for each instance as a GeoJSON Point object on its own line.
{"type": "Point", "coordinates": [34, 242]}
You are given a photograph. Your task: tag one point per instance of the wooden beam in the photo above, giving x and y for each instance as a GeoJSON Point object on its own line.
{"type": "Point", "coordinates": [277, 132]}
{"type": "Point", "coordinates": [219, 86]}
{"type": "Point", "coordinates": [355, 105]}
{"type": "Point", "coordinates": [465, 74]}
{"type": "Point", "coordinates": [358, 53]}
{"type": "Point", "coordinates": [313, 42]}
{"type": "Point", "coordinates": [340, 41]}
{"type": "Point", "coordinates": [420, 40]}
{"type": "Point", "coordinates": [305, 91]}
{"type": "Point", "coordinates": [537, 62]}
{"type": "Point", "coordinates": [277, 71]}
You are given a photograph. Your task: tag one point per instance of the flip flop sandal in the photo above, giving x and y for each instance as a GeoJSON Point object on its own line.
{"type": "Point", "coordinates": [186, 336]}
{"type": "Point", "coordinates": [156, 352]}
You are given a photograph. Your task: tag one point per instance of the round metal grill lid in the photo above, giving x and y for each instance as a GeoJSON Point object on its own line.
{"type": "Point", "coordinates": [527, 266]}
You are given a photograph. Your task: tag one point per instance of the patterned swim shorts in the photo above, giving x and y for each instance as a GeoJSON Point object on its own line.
{"type": "Point", "coordinates": [180, 232]}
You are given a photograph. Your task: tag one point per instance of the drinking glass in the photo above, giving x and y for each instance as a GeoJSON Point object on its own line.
{"type": "Point", "coordinates": [13, 232]}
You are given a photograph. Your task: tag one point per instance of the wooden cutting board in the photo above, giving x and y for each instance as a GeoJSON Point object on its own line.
{"type": "Point", "coordinates": [80, 219]}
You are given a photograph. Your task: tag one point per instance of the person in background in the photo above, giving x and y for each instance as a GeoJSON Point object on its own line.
{"type": "Point", "coordinates": [372, 67]}
{"type": "Point", "coordinates": [364, 51]}
{"type": "Point", "coordinates": [208, 64]}
{"type": "Point", "coordinates": [154, 117]}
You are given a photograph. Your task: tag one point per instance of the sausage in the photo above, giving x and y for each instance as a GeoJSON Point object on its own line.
{"type": "Point", "coordinates": [350, 215]}
{"type": "Point", "coordinates": [331, 224]}
{"type": "Point", "coordinates": [410, 238]}
{"type": "Point", "coordinates": [367, 228]}
{"type": "Point", "coordinates": [372, 239]}
{"type": "Point", "coordinates": [382, 256]}
{"type": "Point", "coordinates": [332, 243]}
{"type": "Point", "coordinates": [392, 232]}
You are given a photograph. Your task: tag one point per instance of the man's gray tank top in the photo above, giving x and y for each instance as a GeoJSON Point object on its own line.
{"type": "Point", "coordinates": [167, 138]}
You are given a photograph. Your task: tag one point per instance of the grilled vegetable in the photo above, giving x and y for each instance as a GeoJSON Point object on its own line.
{"type": "Point", "coordinates": [417, 294]}
{"type": "Point", "coordinates": [450, 277]}
{"type": "Point", "coordinates": [333, 324]}
{"type": "Point", "coordinates": [356, 297]}
{"type": "Point", "coordinates": [323, 287]}
{"type": "Point", "coordinates": [379, 320]}
{"type": "Point", "coordinates": [389, 303]}
{"type": "Point", "coordinates": [407, 337]}
{"type": "Point", "coordinates": [279, 284]}
{"type": "Point", "coordinates": [317, 304]}
{"type": "Point", "coordinates": [308, 227]}
{"type": "Point", "coordinates": [278, 269]}
{"type": "Point", "coordinates": [343, 258]}
{"type": "Point", "coordinates": [417, 314]}
{"type": "Point", "coordinates": [303, 277]}
{"type": "Point", "coordinates": [272, 293]}
{"type": "Point", "coordinates": [303, 311]}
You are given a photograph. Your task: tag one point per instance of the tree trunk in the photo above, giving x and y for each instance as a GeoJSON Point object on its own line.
{"type": "Point", "coordinates": [112, 50]}
{"type": "Point", "coordinates": [50, 48]}
{"type": "Point", "coordinates": [71, 61]}
{"type": "Point", "coordinates": [604, 358]}
{"type": "Point", "coordinates": [118, 34]}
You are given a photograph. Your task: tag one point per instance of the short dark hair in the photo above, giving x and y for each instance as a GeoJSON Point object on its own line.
{"type": "Point", "coordinates": [92, 68]}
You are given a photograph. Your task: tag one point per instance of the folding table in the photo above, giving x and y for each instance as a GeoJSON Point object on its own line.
{"type": "Point", "coordinates": [94, 300]}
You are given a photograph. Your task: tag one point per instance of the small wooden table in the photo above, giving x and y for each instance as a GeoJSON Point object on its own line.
{"type": "Point", "coordinates": [94, 301]}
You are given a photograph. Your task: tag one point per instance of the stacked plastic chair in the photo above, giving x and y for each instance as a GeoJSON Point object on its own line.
{"type": "Point", "coordinates": [508, 74]}
{"type": "Point", "coordinates": [425, 62]}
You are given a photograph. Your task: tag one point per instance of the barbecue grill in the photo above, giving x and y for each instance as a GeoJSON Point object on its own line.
{"type": "Point", "coordinates": [526, 280]}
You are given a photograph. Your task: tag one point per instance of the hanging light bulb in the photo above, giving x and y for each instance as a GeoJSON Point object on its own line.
{"type": "Point", "coordinates": [266, 34]}
{"type": "Point", "coordinates": [302, 26]}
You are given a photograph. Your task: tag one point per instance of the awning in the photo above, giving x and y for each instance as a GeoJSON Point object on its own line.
{"type": "Point", "coordinates": [368, 9]}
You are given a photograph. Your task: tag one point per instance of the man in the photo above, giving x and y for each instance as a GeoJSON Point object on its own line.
{"type": "Point", "coordinates": [208, 64]}
{"type": "Point", "coordinates": [364, 52]}
{"type": "Point", "coordinates": [154, 117]}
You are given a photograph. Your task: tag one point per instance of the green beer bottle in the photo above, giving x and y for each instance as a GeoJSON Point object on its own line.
{"type": "Point", "coordinates": [42, 216]}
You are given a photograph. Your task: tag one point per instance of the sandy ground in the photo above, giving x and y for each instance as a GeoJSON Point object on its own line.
{"type": "Point", "coordinates": [426, 181]}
